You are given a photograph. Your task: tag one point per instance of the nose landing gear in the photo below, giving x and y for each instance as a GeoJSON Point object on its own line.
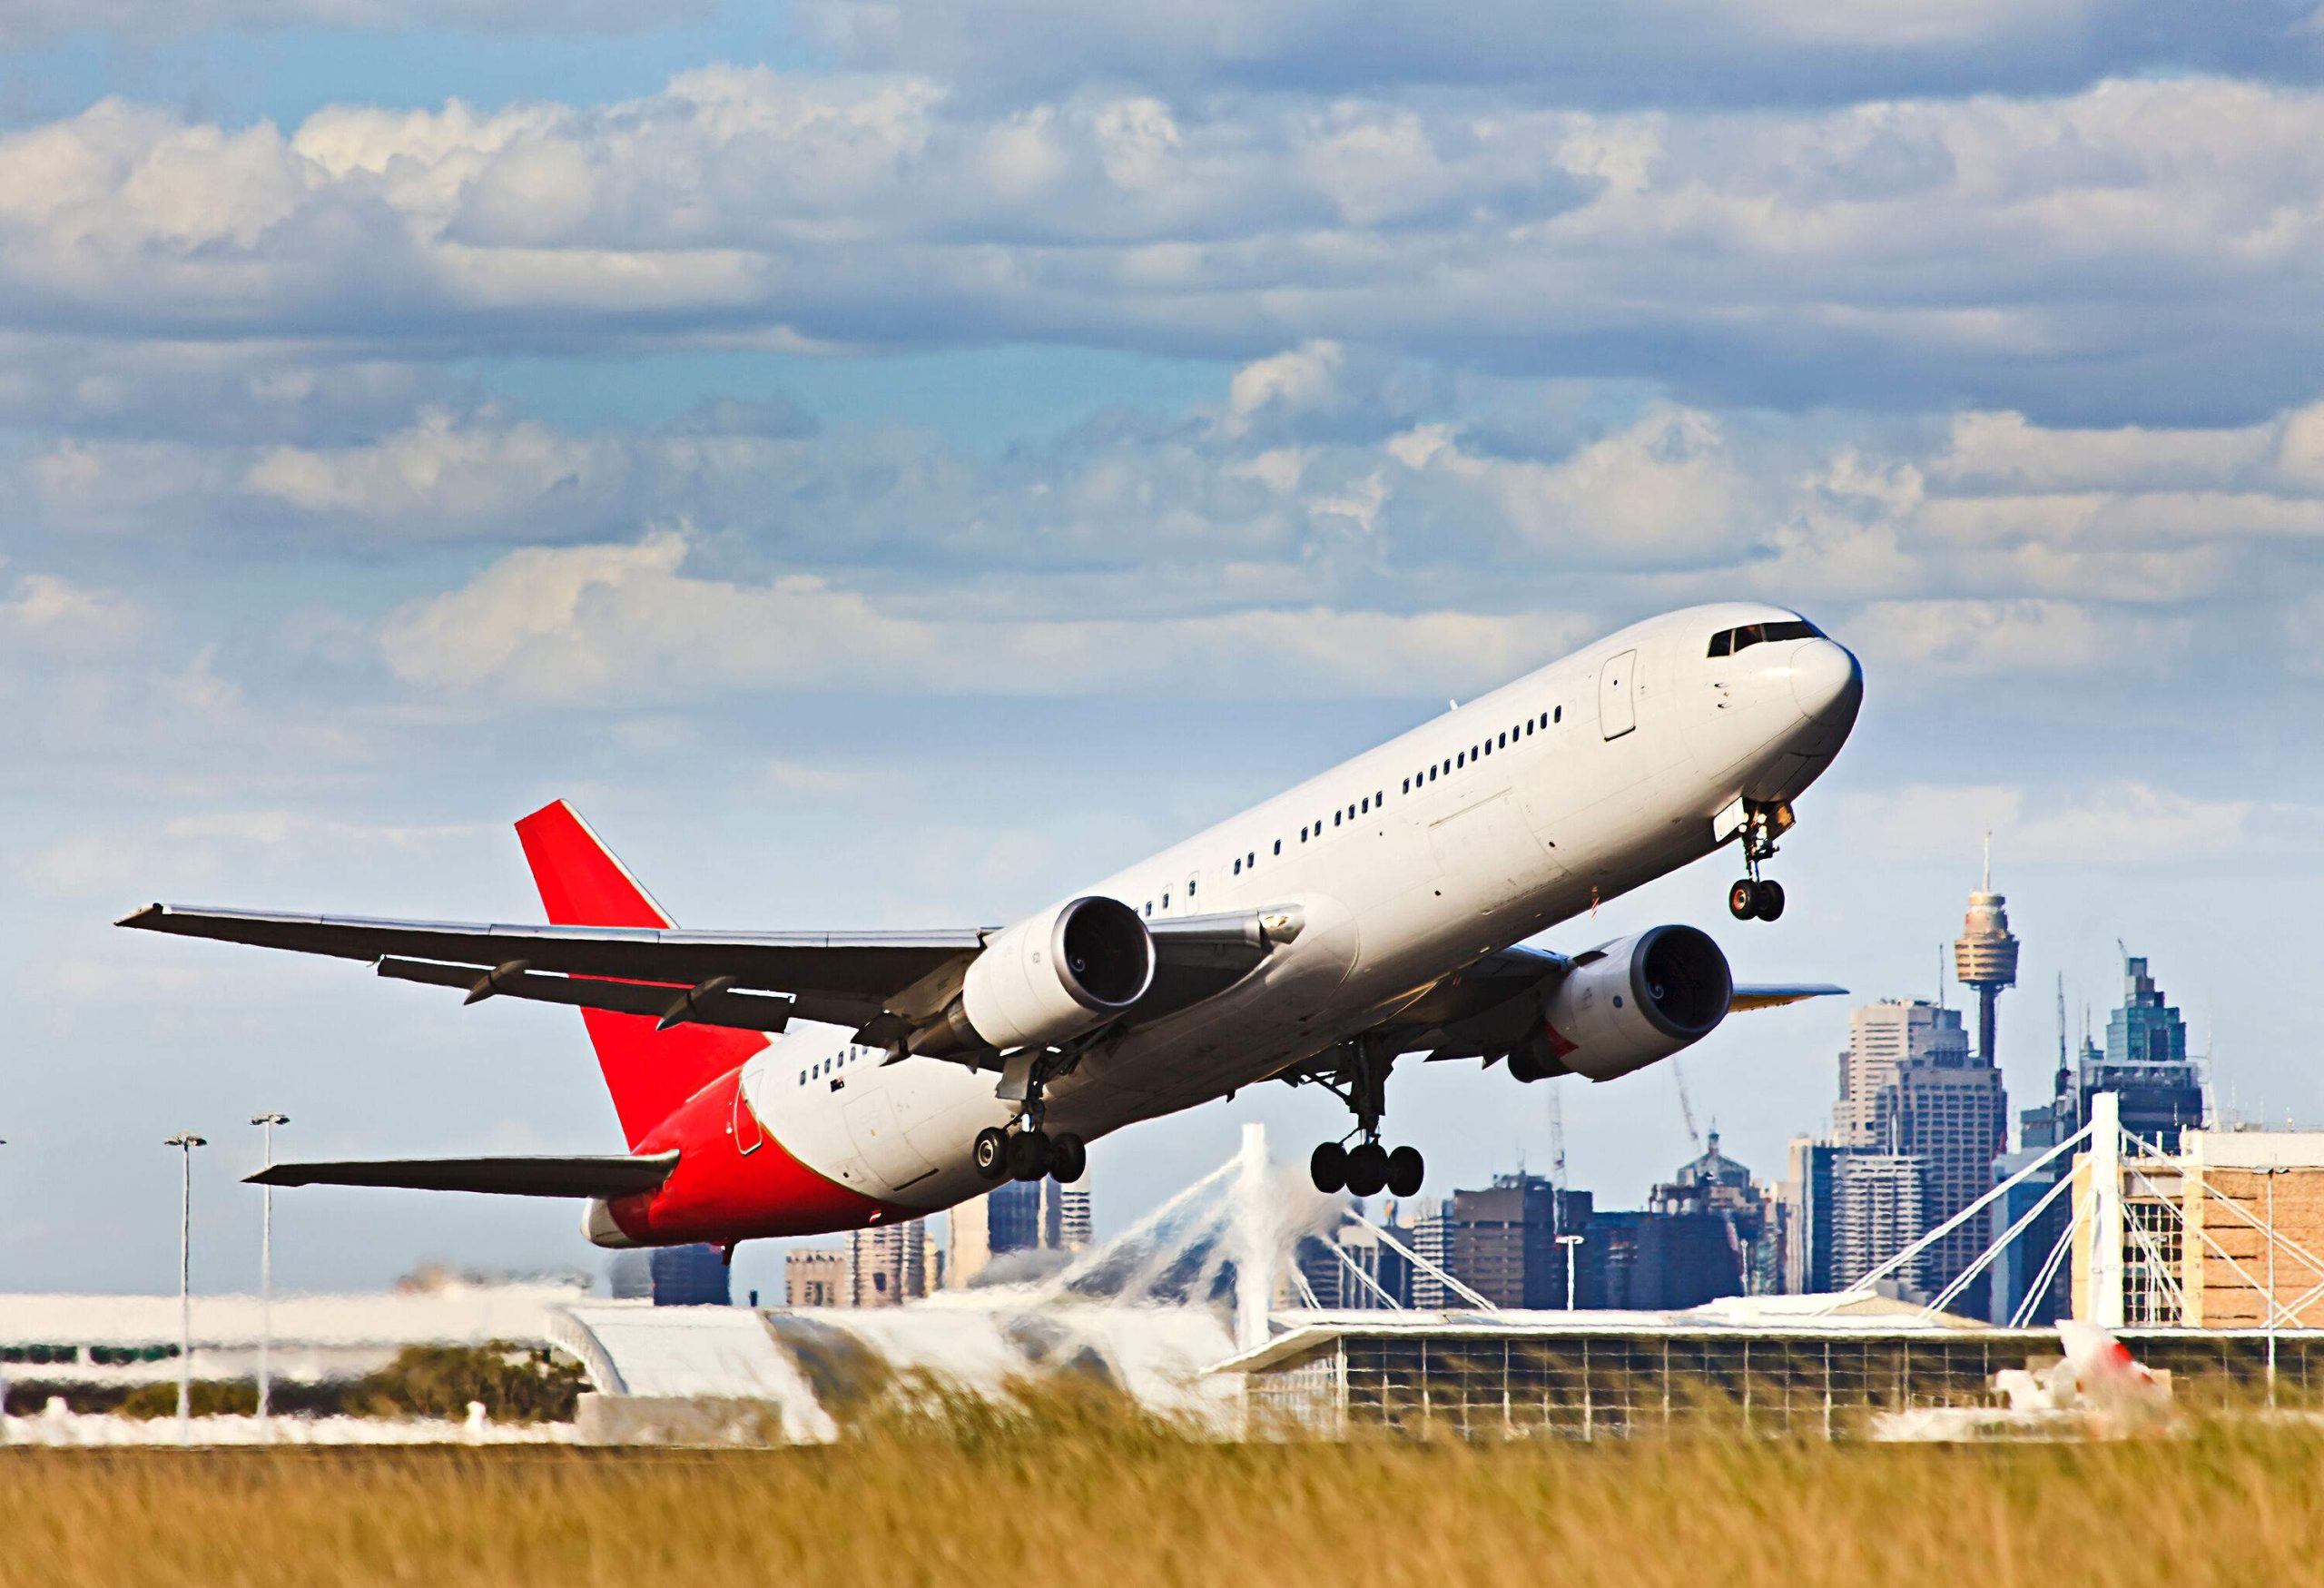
{"type": "Point", "coordinates": [1756, 897]}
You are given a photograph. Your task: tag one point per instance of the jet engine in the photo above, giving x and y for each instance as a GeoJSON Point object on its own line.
{"type": "Point", "coordinates": [1626, 1005]}
{"type": "Point", "coordinates": [1048, 979]}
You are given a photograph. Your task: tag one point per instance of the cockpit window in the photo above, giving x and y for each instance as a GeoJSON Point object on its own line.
{"type": "Point", "coordinates": [1727, 642]}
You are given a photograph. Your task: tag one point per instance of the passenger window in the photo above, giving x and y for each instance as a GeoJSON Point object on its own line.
{"type": "Point", "coordinates": [1408, 785]}
{"type": "Point", "coordinates": [1461, 759]}
{"type": "Point", "coordinates": [1166, 900]}
{"type": "Point", "coordinates": [1379, 799]}
{"type": "Point", "coordinates": [1278, 847]}
{"type": "Point", "coordinates": [1335, 818]}
{"type": "Point", "coordinates": [1191, 886]}
{"type": "Point", "coordinates": [1557, 716]}
{"type": "Point", "coordinates": [1150, 907]}
{"type": "Point", "coordinates": [1239, 868]}
{"type": "Point", "coordinates": [1252, 858]}
{"type": "Point", "coordinates": [1504, 741]}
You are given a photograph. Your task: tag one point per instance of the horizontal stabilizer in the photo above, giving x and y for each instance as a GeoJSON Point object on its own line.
{"type": "Point", "coordinates": [606, 1175]}
{"type": "Point", "coordinates": [1776, 995]}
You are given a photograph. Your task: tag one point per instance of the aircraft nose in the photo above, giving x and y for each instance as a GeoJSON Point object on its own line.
{"type": "Point", "coordinates": [1825, 681]}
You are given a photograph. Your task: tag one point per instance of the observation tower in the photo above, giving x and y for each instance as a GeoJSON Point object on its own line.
{"type": "Point", "coordinates": [1985, 956]}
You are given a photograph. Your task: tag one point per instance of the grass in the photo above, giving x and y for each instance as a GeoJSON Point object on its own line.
{"type": "Point", "coordinates": [982, 1500]}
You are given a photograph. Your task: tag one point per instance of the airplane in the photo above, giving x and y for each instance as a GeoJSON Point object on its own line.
{"type": "Point", "coordinates": [772, 1084]}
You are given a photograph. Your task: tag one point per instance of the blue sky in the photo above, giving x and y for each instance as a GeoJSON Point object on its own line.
{"type": "Point", "coordinates": [889, 470]}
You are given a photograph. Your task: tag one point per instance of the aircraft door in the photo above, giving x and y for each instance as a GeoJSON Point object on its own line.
{"type": "Point", "coordinates": [879, 1138]}
{"type": "Point", "coordinates": [749, 1134]}
{"type": "Point", "coordinates": [1617, 709]}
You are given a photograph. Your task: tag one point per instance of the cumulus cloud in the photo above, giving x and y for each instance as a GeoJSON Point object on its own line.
{"type": "Point", "coordinates": [2120, 253]}
{"type": "Point", "coordinates": [630, 623]}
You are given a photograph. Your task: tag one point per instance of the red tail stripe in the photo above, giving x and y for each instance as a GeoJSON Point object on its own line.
{"type": "Point", "coordinates": [650, 1074]}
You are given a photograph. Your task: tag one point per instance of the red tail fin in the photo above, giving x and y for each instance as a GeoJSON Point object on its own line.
{"type": "Point", "coordinates": [649, 1072]}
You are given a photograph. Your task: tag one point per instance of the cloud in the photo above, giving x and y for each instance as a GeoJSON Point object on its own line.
{"type": "Point", "coordinates": [32, 24]}
{"type": "Point", "coordinates": [628, 623]}
{"type": "Point", "coordinates": [51, 614]}
{"type": "Point", "coordinates": [1656, 51]}
{"type": "Point", "coordinates": [2120, 253]}
{"type": "Point", "coordinates": [2124, 824]}
{"type": "Point", "coordinates": [1972, 637]}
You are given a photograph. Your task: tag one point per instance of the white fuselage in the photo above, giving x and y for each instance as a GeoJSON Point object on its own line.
{"type": "Point", "coordinates": [1504, 816]}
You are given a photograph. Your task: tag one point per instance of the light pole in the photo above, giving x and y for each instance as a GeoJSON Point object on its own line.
{"type": "Point", "coordinates": [266, 1124]}
{"type": "Point", "coordinates": [1572, 1244]}
{"type": "Point", "coordinates": [185, 1142]}
{"type": "Point", "coordinates": [2269, 1175]}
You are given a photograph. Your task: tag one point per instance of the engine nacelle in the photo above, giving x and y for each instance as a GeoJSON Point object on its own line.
{"type": "Point", "coordinates": [1634, 1001]}
{"type": "Point", "coordinates": [1046, 980]}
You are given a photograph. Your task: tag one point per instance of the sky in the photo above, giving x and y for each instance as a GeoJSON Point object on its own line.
{"type": "Point", "coordinates": [889, 463]}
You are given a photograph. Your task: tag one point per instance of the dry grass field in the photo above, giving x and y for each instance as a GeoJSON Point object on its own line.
{"type": "Point", "coordinates": [1097, 1499]}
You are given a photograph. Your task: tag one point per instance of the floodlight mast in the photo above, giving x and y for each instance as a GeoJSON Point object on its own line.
{"type": "Point", "coordinates": [185, 1142]}
{"type": "Point", "coordinates": [266, 1123]}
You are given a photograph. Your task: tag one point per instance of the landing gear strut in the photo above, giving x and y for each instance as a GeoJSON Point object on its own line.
{"type": "Point", "coordinates": [1030, 1152]}
{"type": "Point", "coordinates": [1756, 897]}
{"type": "Point", "coordinates": [1366, 1169]}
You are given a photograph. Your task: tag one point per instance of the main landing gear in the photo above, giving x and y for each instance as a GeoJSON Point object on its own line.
{"type": "Point", "coordinates": [1028, 1155]}
{"type": "Point", "coordinates": [1366, 1169]}
{"type": "Point", "coordinates": [1029, 1151]}
{"type": "Point", "coordinates": [1757, 898]}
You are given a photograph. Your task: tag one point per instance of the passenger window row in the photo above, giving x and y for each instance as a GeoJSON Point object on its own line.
{"type": "Point", "coordinates": [849, 1054]}
{"type": "Point", "coordinates": [1367, 804]}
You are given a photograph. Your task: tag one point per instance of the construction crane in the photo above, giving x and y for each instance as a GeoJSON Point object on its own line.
{"type": "Point", "coordinates": [1557, 1137]}
{"type": "Point", "coordinates": [1686, 1105]}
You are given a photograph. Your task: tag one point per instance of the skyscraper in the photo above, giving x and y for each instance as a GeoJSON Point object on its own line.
{"type": "Point", "coordinates": [1912, 1093]}
{"type": "Point", "coordinates": [1016, 1216]}
{"type": "Point", "coordinates": [1876, 1200]}
{"type": "Point", "coordinates": [1882, 1037]}
{"type": "Point", "coordinates": [1949, 1113]}
{"type": "Point", "coordinates": [891, 1264]}
{"type": "Point", "coordinates": [2145, 1063]}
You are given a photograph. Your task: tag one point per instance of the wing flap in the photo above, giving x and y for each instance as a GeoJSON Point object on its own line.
{"type": "Point", "coordinates": [599, 1176]}
{"type": "Point", "coordinates": [713, 1006]}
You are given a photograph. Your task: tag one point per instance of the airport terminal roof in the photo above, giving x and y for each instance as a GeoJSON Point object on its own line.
{"type": "Point", "coordinates": [454, 1314]}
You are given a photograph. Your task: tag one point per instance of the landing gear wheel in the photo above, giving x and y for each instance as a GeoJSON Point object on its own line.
{"type": "Point", "coordinates": [1367, 1170]}
{"type": "Point", "coordinates": [1743, 899]}
{"type": "Point", "coordinates": [1406, 1170]}
{"type": "Point", "coordinates": [1068, 1158]}
{"type": "Point", "coordinates": [1768, 904]}
{"type": "Point", "coordinates": [1327, 1167]}
{"type": "Point", "coordinates": [990, 1154]}
{"type": "Point", "coordinates": [1028, 1155]}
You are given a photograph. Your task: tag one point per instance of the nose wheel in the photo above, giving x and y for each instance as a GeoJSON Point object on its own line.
{"type": "Point", "coordinates": [1755, 897]}
{"type": "Point", "coordinates": [1760, 898]}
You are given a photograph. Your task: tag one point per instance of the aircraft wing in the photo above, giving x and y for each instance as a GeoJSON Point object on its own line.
{"type": "Point", "coordinates": [751, 980]}
{"type": "Point", "coordinates": [602, 1176]}
{"type": "Point", "coordinates": [1776, 995]}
